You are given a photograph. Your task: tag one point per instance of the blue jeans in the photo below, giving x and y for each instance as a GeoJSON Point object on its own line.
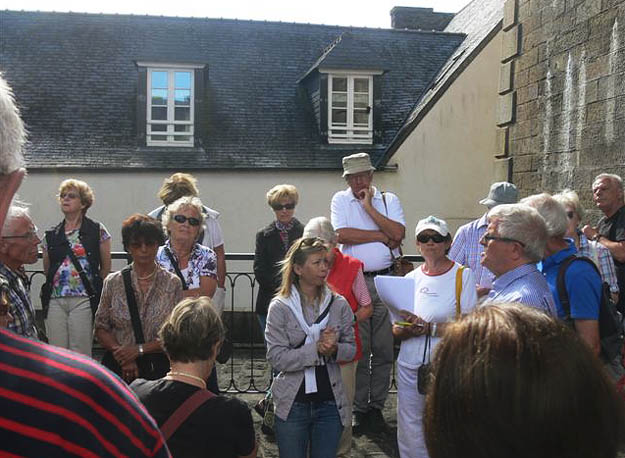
{"type": "Point", "coordinates": [314, 423]}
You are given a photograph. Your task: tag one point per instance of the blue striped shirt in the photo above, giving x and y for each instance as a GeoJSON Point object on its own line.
{"type": "Point", "coordinates": [524, 284]}
{"type": "Point", "coordinates": [467, 250]}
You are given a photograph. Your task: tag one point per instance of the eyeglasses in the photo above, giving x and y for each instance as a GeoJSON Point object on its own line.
{"type": "Point", "coordinates": [425, 238]}
{"type": "Point", "coordinates": [570, 215]}
{"type": "Point", "coordinates": [181, 219]}
{"type": "Point", "coordinates": [69, 195]}
{"type": "Point", "coordinates": [278, 207]}
{"type": "Point", "coordinates": [487, 238]}
{"type": "Point", "coordinates": [33, 234]}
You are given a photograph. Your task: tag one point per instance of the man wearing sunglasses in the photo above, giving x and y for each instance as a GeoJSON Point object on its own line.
{"type": "Point", "coordinates": [371, 226]}
{"type": "Point", "coordinates": [513, 243]}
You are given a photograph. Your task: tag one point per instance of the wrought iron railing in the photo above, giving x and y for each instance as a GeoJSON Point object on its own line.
{"type": "Point", "coordinates": [247, 371]}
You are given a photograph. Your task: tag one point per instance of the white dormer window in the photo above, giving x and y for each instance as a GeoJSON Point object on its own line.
{"type": "Point", "coordinates": [170, 107]}
{"type": "Point", "coordinates": [350, 108]}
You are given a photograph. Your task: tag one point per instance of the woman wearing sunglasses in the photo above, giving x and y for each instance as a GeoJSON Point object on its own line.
{"type": "Point", "coordinates": [443, 291]}
{"type": "Point", "coordinates": [272, 243]}
{"type": "Point", "coordinates": [309, 330]}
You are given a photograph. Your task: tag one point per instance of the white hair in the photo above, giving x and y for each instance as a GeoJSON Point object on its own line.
{"type": "Point", "coordinates": [14, 212]}
{"type": "Point", "coordinates": [570, 198]}
{"type": "Point", "coordinates": [12, 132]}
{"type": "Point", "coordinates": [552, 211]}
{"type": "Point", "coordinates": [186, 201]}
{"type": "Point", "coordinates": [615, 179]}
{"type": "Point", "coordinates": [322, 228]}
{"type": "Point", "coordinates": [523, 223]}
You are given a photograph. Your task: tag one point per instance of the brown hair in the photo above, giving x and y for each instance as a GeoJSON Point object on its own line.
{"type": "Point", "coordinates": [510, 381]}
{"type": "Point", "coordinates": [297, 254]}
{"type": "Point", "coordinates": [142, 227]}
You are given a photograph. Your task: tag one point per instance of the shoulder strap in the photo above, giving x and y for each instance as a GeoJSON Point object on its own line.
{"type": "Point", "coordinates": [458, 291]}
{"type": "Point", "coordinates": [184, 411]}
{"type": "Point", "coordinates": [321, 317]}
{"type": "Point", "coordinates": [386, 210]}
{"type": "Point", "coordinates": [81, 273]}
{"type": "Point", "coordinates": [132, 306]}
{"type": "Point", "coordinates": [174, 263]}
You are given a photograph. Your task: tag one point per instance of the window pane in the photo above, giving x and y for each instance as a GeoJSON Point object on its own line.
{"type": "Point", "coordinates": [339, 84]}
{"type": "Point", "coordinates": [339, 100]}
{"type": "Point", "coordinates": [159, 113]}
{"type": "Point", "coordinates": [182, 114]}
{"type": "Point", "coordinates": [361, 100]}
{"type": "Point", "coordinates": [159, 79]}
{"type": "Point", "coordinates": [182, 80]}
{"type": "Point", "coordinates": [179, 128]}
{"type": "Point", "coordinates": [159, 96]}
{"type": "Point", "coordinates": [159, 138]}
{"type": "Point", "coordinates": [361, 84]}
{"type": "Point", "coordinates": [158, 127]}
{"type": "Point", "coordinates": [182, 97]}
{"type": "Point", "coordinates": [339, 117]}
{"type": "Point", "coordinates": [182, 138]}
{"type": "Point", "coordinates": [361, 118]}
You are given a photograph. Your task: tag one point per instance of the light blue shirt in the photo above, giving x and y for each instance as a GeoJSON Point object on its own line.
{"type": "Point", "coordinates": [524, 284]}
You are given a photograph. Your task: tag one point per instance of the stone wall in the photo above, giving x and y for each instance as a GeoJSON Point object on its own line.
{"type": "Point", "coordinates": [562, 93]}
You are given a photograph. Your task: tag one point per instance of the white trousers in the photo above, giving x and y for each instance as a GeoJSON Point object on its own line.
{"type": "Point", "coordinates": [70, 324]}
{"type": "Point", "coordinates": [348, 374]}
{"type": "Point", "coordinates": [410, 407]}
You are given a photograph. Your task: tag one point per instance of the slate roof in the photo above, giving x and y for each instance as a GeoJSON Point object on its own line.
{"type": "Point", "coordinates": [74, 76]}
{"type": "Point", "coordinates": [480, 20]}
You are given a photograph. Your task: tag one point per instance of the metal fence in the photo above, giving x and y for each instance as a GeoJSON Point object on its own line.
{"type": "Point", "coordinates": [247, 371]}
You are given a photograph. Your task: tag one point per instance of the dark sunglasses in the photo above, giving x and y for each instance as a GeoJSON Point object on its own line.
{"type": "Point", "coordinates": [181, 219]}
{"type": "Point", "coordinates": [278, 207]}
{"type": "Point", "coordinates": [570, 215]}
{"type": "Point", "coordinates": [488, 238]}
{"type": "Point", "coordinates": [425, 238]}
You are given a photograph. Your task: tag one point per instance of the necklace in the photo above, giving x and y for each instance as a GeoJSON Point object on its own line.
{"type": "Point", "coordinates": [200, 380]}
{"type": "Point", "coordinates": [147, 277]}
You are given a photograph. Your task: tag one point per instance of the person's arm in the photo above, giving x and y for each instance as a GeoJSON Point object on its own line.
{"type": "Point", "coordinates": [204, 265]}
{"type": "Point", "coordinates": [220, 251]}
{"type": "Point", "coordinates": [353, 236]}
{"type": "Point", "coordinates": [105, 258]}
{"type": "Point", "coordinates": [363, 298]}
{"type": "Point", "coordinates": [394, 230]}
{"type": "Point", "coordinates": [588, 331]}
{"type": "Point", "coordinates": [262, 261]}
{"type": "Point", "coordinates": [46, 261]}
{"type": "Point", "coordinates": [617, 249]}
{"type": "Point", "coordinates": [208, 285]}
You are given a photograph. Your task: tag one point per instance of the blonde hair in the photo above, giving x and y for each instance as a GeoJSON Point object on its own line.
{"type": "Point", "coordinates": [176, 186]}
{"type": "Point", "coordinates": [322, 228]}
{"type": "Point", "coordinates": [85, 192]}
{"type": "Point", "coordinates": [297, 255]}
{"type": "Point", "coordinates": [571, 199]}
{"type": "Point", "coordinates": [187, 201]}
{"type": "Point", "coordinates": [282, 191]}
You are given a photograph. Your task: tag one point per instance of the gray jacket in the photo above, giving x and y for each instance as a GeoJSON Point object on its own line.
{"type": "Point", "coordinates": [283, 333]}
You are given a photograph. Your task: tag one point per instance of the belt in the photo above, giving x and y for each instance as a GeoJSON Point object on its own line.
{"type": "Point", "coordinates": [373, 273]}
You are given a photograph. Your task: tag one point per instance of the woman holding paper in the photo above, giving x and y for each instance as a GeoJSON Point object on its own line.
{"type": "Point", "coordinates": [439, 298]}
{"type": "Point", "coordinates": [308, 330]}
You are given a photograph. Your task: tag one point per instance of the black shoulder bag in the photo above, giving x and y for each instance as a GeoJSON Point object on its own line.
{"type": "Point", "coordinates": [225, 352]}
{"type": "Point", "coordinates": [152, 366]}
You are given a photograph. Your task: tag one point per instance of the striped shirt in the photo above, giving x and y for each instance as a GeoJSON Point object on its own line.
{"type": "Point", "coordinates": [524, 284]}
{"type": "Point", "coordinates": [467, 250]}
{"type": "Point", "coordinates": [56, 403]}
{"type": "Point", "coordinates": [20, 306]}
{"type": "Point", "coordinates": [602, 257]}
{"type": "Point", "coordinates": [359, 288]}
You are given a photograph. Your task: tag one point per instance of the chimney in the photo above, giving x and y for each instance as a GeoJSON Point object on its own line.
{"type": "Point", "coordinates": [406, 17]}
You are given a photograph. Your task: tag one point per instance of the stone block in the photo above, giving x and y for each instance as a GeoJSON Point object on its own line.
{"type": "Point", "coordinates": [602, 23]}
{"type": "Point", "coordinates": [523, 163]}
{"type": "Point", "coordinates": [505, 77]}
{"type": "Point", "coordinates": [528, 59]}
{"type": "Point", "coordinates": [502, 169]}
{"type": "Point", "coordinates": [523, 10]}
{"type": "Point", "coordinates": [521, 78]}
{"type": "Point", "coordinates": [510, 43]}
{"type": "Point", "coordinates": [509, 14]}
{"type": "Point", "coordinates": [527, 93]}
{"type": "Point", "coordinates": [592, 91]}
{"type": "Point", "coordinates": [587, 9]}
{"type": "Point", "coordinates": [538, 72]}
{"type": "Point", "coordinates": [502, 140]}
{"type": "Point", "coordinates": [597, 67]}
{"type": "Point", "coordinates": [505, 111]}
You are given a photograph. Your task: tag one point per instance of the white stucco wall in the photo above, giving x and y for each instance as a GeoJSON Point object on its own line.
{"type": "Point", "coordinates": [446, 164]}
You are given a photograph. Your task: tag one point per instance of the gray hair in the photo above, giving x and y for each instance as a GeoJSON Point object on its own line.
{"type": "Point", "coordinates": [12, 132]}
{"type": "Point", "coordinates": [14, 212]}
{"type": "Point", "coordinates": [612, 177]}
{"type": "Point", "coordinates": [186, 201]}
{"type": "Point", "coordinates": [523, 223]}
{"type": "Point", "coordinates": [570, 198]}
{"type": "Point", "coordinates": [322, 228]}
{"type": "Point", "coordinates": [552, 211]}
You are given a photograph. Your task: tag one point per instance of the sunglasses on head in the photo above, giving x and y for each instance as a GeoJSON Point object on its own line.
{"type": "Point", "coordinates": [181, 219]}
{"type": "Point", "coordinates": [278, 207]}
{"type": "Point", "coordinates": [425, 238]}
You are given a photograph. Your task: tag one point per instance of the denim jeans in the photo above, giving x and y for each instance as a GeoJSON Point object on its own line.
{"type": "Point", "coordinates": [317, 424]}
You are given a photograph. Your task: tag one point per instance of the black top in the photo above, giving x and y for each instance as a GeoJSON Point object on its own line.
{"type": "Point", "coordinates": [221, 427]}
{"type": "Point", "coordinates": [269, 251]}
{"type": "Point", "coordinates": [324, 390]}
{"type": "Point", "coordinates": [613, 228]}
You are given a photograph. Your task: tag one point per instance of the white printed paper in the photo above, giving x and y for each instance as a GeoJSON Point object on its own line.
{"type": "Point", "coordinates": [397, 294]}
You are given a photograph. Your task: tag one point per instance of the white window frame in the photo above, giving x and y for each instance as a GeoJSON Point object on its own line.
{"type": "Point", "coordinates": [352, 134]}
{"type": "Point", "coordinates": [170, 69]}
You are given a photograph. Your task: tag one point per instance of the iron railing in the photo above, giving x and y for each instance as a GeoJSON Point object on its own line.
{"type": "Point", "coordinates": [247, 371]}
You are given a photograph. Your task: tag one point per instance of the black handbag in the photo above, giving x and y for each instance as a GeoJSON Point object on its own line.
{"type": "Point", "coordinates": [424, 371]}
{"type": "Point", "coordinates": [152, 366]}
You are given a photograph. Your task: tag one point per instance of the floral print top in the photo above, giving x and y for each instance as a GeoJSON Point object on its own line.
{"type": "Point", "coordinates": [66, 281]}
{"type": "Point", "coordinates": [202, 263]}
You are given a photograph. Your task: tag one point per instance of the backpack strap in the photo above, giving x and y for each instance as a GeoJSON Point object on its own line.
{"type": "Point", "coordinates": [184, 411]}
{"type": "Point", "coordinates": [458, 291]}
{"type": "Point", "coordinates": [561, 283]}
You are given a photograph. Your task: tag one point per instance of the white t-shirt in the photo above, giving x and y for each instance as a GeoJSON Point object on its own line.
{"type": "Point", "coordinates": [435, 301]}
{"type": "Point", "coordinates": [347, 211]}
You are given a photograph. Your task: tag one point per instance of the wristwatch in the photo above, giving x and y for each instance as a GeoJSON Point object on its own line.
{"type": "Point", "coordinates": [140, 349]}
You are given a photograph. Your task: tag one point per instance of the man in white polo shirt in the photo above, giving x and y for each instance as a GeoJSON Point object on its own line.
{"type": "Point", "coordinates": [371, 227]}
